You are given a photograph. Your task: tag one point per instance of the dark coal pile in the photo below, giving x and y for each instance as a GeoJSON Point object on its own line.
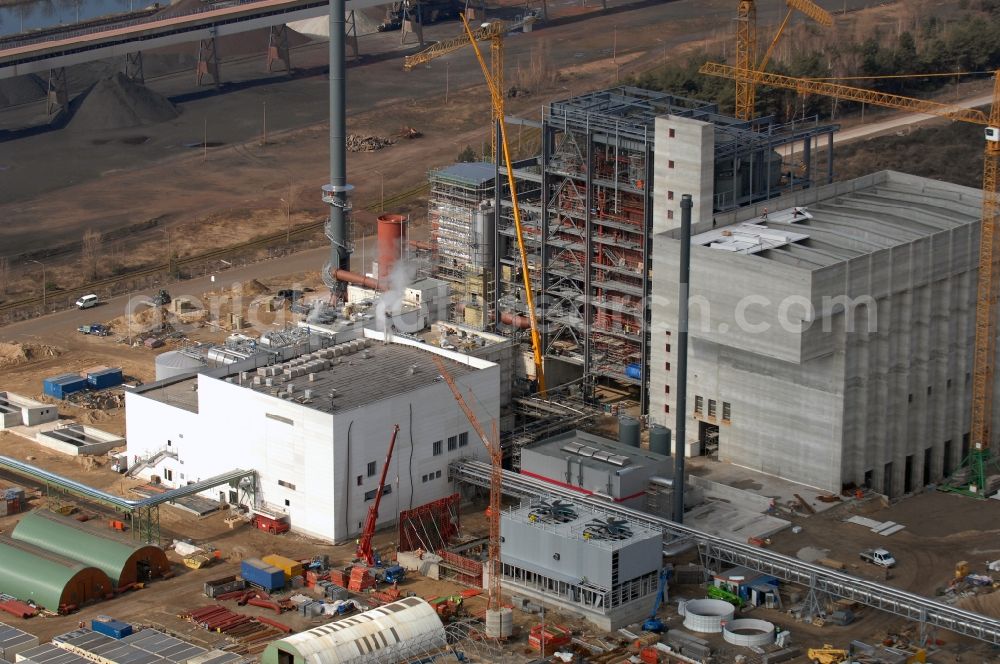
{"type": "Point", "coordinates": [119, 103]}
{"type": "Point", "coordinates": [21, 90]}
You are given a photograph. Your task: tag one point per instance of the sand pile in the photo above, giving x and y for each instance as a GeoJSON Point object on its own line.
{"type": "Point", "coordinates": [987, 604]}
{"type": "Point", "coordinates": [142, 320]}
{"type": "Point", "coordinates": [119, 103]}
{"type": "Point", "coordinates": [21, 90]}
{"type": "Point", "coordinates": [252, 287]}
{"type": "Point", "coordinates": [13, 354]}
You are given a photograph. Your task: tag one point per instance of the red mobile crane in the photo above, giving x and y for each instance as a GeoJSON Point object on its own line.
{"type": "Point", "coordinates": [365, 551]}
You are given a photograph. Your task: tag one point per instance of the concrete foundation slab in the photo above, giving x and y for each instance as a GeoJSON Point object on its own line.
{"type": "Point", "coordinates": [78, 440]}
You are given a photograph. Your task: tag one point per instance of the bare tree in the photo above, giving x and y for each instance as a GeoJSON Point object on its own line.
{"type": "Point", "coordinates": [4, 275]}
{"type": "Point", "coordinates": [91, 253]}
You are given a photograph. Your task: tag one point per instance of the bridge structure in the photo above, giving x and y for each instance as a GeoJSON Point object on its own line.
{"type": "Point", "coordinates": [821, 582]}
{"type": "Point", "coordinates": [144, 513]}
{"type": "Point", "coordinates": [52, 52]}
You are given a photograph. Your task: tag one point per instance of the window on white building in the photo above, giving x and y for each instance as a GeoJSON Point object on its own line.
{"type": "Point", "coordinates": [463, 439]}
{"type": "Point", "coordinates": [452, 443]}
{"type": "Point", "coordinates": [287, 485]}
{"type": "Point", "coordinates": [372, 467]}
{"type": "Point", "coordinates": [370, 495]}
{"type": "Point", "coordinates": [436, 449]}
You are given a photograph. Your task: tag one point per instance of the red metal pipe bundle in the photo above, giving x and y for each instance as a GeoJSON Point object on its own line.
{"type": "Point", "coordinates": [265, 604]}
{"type": "Point", "coordinates": [274, 623]}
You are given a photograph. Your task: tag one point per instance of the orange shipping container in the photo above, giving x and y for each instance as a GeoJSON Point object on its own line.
{"type": "Point", "coordinates": [287, 565]}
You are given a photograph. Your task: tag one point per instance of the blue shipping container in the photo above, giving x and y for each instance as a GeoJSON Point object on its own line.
{"type": "Point", "coordinates": [634, 370]}
{"type": "Point", "coordinates": [59, 387]}
{"type": "Point", "coordinates": [105, 378]}
{"type": "Point", "coordinates": [259, 573]}
{"type": "Point", "coordinates": [116, 629]}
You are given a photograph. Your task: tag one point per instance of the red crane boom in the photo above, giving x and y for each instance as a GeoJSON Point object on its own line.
{"type": "Point", "coordinates": [365, 543]}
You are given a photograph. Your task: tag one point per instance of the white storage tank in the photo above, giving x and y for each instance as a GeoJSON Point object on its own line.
{"type": "Point", "coordinates": [395, 628]}
{"type": "Point", "coordinates": [175, 363]}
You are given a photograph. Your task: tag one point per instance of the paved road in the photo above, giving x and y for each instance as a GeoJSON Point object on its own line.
{"type": "Point", "coordinates": [888, 125]}
{"type": "Point", "coordinates": [38, 329]}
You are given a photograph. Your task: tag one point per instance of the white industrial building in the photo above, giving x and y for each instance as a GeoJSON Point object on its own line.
{"type": "Point", "coordinates": [565, 555]}
{"type": "Point", "coordinates": [317, 428]}
{"type": "Point", "coordinates": [831, 338]}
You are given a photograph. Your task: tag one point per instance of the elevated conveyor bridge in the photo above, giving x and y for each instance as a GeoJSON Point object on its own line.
{"type": "Point", "coordinates": [144, 513]}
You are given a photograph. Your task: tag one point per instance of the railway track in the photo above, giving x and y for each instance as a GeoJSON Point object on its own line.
{"type": "Point", "coordinates": [215, 254]}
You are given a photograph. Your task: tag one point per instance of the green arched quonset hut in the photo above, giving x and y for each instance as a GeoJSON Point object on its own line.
{"type": "Point", "coordinates": [122, 560]}
{"type": "Point", "coordinates": [52, 581]}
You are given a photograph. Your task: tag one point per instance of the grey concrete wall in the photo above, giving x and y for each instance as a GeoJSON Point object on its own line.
{"type": "Point", "coordinates": [692, 151]}
{"type": "Point", "coordinates": [534, 545]}
{"type": "Point", "coordinates": [826, 405]}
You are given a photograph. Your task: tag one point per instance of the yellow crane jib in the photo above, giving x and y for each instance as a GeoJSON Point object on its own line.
{"type": "Point", "coordinates": [746, 46]}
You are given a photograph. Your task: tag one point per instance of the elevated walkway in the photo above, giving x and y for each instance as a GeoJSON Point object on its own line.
{"type": "Point", "coordinates": [143, 512]}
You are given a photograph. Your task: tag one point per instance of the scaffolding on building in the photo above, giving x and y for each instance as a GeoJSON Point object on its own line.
{"type": "Point", "coordinates": [461, 218]}
{"type": "Point", "coordinates": [587, 206]}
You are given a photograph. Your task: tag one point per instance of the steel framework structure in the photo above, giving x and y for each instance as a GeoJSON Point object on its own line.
{"type": "Point", "coordinates": [587, 217]}
{"type": "Point", "coordinates": [819, 580]}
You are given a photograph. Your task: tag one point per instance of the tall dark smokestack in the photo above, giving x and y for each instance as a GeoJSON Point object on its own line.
{"type": "Point", "coordinates": [680, 416]}
{"type": "Point", "coordinates": [336, 193]}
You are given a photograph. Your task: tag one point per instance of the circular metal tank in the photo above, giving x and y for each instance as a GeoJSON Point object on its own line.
{"type": "Point", "coordinates": [175, 363]}
{"type": "Point", "coordinates": [628, 431]}
{"type": "Point", "coordinates": [499, 624]}
{"type": "Point", "coordinates": [391, 229]}
{"type": "Point", "coordinates": [707, 615]}
{"type": "Point", "coordinates": [659, 439]}
{"type": "Point", "coordinates": [748, 632]}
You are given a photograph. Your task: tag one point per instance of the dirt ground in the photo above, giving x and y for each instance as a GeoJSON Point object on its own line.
{"type": "Point", "coordinates": [110, 180]}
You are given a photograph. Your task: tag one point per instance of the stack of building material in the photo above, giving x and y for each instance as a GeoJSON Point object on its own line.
{"type": "Point", "coordinates": [12, 501]}
{"type": "Point", "coordinates": [242, 628]}
{"type": "Point", "coordinates": [549, 638]}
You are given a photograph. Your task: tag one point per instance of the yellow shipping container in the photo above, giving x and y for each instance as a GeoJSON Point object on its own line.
{"type": "Point", "coordinates": [287, 565]}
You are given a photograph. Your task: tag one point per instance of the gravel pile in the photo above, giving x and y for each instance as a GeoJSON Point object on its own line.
{"type": "Point", "coordinates": [119, 103]}
{"type": "Point", "coordinates": [356, 143]}
{"type": "Point", "coordinates": [21, 90]}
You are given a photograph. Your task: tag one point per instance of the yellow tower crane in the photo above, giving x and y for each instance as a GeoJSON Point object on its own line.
{"type": "Point", "coordinates": [492, 444]}
{"type": "Point", "coordinates": [746, 47]}
{"type": "Point", "coordinates": [493, 73]}
{"type": "Point", "coordinates": [988, 283]}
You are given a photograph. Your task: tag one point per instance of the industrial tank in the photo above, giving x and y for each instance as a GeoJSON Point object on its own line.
{"type": "Point", "coordinates": [175, 363]}
{"type": "Point", "coordinates": [628, 431]}
{"type": "Point", "coordinates": [659, 439]}
{"type": "Point", "coordinates": [405, 626]}
{"type": "Point", "coordinates": [391, 229]}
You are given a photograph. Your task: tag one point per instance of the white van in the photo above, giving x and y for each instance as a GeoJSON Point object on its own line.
{"type": "Point", "coordinates": [87, 301]}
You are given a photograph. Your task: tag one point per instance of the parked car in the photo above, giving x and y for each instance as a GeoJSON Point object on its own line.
{"type": "Point", "coordinates": [880, 557]}
{"type": "Point", "coordinates": [95, 329]}
{"type": "Point", "coordinates": [87, 301]}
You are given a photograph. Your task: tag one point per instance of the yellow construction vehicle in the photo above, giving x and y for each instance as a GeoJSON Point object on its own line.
{"type": "Point", "coordinates": [827, 655]}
